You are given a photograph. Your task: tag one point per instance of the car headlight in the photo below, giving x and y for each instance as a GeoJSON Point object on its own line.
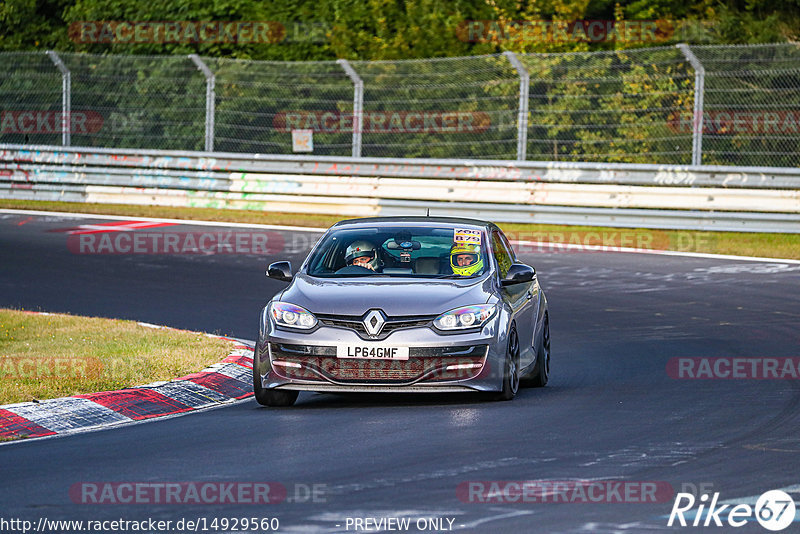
{"type": "Point", "coordinates": [465, 317]}
{"type": "Point", "coordinates": [292, 316]}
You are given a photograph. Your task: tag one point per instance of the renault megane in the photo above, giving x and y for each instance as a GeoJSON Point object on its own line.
{"type": "Point", "coordinates": [404, 304]}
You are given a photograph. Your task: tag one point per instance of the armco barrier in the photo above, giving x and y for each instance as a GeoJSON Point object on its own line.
{"type": "Point", "coordinates": [622, 195]}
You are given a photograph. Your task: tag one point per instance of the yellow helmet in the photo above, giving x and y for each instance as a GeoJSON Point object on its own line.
{"type": "Point", "coordinates": [473, 251]}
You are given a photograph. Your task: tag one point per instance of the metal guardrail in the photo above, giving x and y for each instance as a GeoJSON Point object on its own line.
{"type": "Point", "coordinates": [621, 195]}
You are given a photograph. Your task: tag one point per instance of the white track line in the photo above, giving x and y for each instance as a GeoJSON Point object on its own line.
{"type": "Point", "coordinates": [156, 219]}
{"type": "Point", "coordinates": [543, 245]}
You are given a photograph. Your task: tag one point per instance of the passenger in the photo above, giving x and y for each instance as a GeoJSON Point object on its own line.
{"type": "Point", "coordinates": [465, 259]}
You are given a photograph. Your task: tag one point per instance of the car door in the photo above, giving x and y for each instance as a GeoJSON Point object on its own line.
{"type": "Point", "coordinates": [519, 296]}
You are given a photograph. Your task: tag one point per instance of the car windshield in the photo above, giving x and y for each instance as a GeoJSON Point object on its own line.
{"type": "Point", "coordinates": [424, 252]}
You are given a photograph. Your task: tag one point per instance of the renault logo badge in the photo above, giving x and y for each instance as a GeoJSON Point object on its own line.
{"type": "Point", "coordinates": [373, 322]}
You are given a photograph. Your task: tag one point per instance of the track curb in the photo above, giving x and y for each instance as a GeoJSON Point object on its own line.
{"type": "Point", "coordinates": [221, 383]}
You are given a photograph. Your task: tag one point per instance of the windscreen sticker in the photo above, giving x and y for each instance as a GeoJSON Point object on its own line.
{"type": "Point", "coordinates": [463, 236]}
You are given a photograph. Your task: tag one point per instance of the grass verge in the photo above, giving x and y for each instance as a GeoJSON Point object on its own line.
{"type": "Point", "coordinates": [166, 212]}
{"type": "Point", "coordinates": [769, 245]}
{"type": "Point", "coordinates": [57, 355]}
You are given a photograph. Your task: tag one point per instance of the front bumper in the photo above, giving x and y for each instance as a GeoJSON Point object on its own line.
{"type": "Point", "coordinates": [470, 361]}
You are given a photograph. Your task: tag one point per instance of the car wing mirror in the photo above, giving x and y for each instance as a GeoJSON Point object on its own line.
{"type": "Point", "coordinates": [280, 270]}
{"type": "Point", "coordinates": [518, 273]}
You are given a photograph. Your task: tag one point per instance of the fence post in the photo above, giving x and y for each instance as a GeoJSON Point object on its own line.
{"type": "Point", "coordinates": [697, 116]}
{"type": "Point", "coordinates": [211, 81]}
{"type": "Point", "coordinates": [66, 98]}
{"type": "Point", "coordinates": [358, 104]}
{"type": "Point", "coordinates": [522, 118]}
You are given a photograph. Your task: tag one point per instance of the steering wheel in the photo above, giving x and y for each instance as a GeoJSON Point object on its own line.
{"type": "Point", "coordinates": [354, 269]}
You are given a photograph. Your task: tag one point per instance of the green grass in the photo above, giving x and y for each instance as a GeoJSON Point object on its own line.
{"type": "Point", "coordinates": [166, 212]}
{"type": "Point", "coordinates": [57, 355]}
{"type": "Point", "coordinates": [736, 243]}
{"type": "Point", "coordinates": [769, 245]}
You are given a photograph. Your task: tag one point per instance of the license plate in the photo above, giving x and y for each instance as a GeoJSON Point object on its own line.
{"type": "Point", "coordinates": [372, 352]}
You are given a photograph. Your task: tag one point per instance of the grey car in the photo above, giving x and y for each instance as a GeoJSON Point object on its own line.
{"type": "Point", "coordinates": [404, 304]}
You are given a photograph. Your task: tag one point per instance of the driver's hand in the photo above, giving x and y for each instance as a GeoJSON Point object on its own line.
{"type": "Point", "coordinates": [365, 264]}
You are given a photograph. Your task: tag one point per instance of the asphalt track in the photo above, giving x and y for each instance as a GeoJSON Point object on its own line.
{"type": "Point", "coordinates": [611, 412]}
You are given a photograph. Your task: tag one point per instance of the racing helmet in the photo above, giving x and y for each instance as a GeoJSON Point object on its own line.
{"type": "Point", "coordinates": [359, 249]}
{"type": "Point", "coordinates": [471, 250]}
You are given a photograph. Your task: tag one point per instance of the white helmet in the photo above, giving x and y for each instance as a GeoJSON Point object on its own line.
{"type": "Point", "coordinates": [359, 249]}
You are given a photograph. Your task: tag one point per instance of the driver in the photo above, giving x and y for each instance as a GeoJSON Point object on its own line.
{"type": "Point", "coordinates": [362, 254]}
{"type": "Point", "coordinates": [465, 259]}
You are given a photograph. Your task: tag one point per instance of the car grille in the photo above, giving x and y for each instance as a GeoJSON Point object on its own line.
{"type": "Point", "coordinates": [425, 364]}
{"type": "Point", "coordinates": [355, 323]}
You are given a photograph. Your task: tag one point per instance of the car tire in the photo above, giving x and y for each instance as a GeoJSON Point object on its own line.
{"type": "Point", "coordinates": [275, 397]}
{"type": "Point", "coordinates": [510, 368]}
{"type": "Point", "coordinates": [541, 372]}
{"type": "Point", "coordinates": [270, 397]}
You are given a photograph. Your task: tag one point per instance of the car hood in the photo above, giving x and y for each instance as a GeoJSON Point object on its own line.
{"type": "Point", "coordinates": [395, 296]}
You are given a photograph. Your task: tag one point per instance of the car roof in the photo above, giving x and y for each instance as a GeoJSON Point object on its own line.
{"type": "Point", "coordinates": [414, 221]}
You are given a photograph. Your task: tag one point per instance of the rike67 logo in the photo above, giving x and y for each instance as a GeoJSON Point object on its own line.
{"type": "Point", "coordinates": [774, 510]}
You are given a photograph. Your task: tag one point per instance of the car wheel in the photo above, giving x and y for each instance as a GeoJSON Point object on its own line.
{"type": "Point", "coordinates": [511, 368]}
{"type": "Point", "coordinates": [270, 397]}
{"type": "Point", "coordinates": [541, 372]}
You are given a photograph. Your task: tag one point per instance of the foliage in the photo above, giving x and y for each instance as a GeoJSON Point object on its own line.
{"type": "Point", "coordinates": [614, 99]}
{"type": "Point", "coordinates": [389, 29]}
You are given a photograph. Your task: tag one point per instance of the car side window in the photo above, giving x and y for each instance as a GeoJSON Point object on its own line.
{"type": "Point", "coordinates": [504, 240]}
{"type": "Point", "coordinates": [502, 253]}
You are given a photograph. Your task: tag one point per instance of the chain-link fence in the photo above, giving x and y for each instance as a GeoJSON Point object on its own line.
{"type": "Point", "coordinates": [728, 105]}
